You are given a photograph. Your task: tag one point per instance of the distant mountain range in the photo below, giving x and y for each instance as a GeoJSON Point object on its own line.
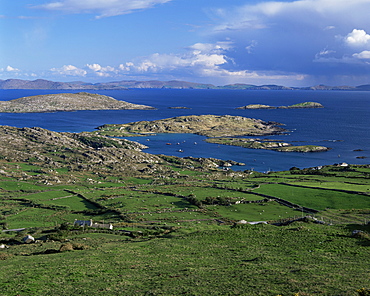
{"type": "Point", "coordinates": [126, 84]}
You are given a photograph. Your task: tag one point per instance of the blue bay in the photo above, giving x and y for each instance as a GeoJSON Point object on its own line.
{"type": "Point", "coordinates": [342, 125]}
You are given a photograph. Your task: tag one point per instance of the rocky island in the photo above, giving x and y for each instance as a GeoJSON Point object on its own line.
{"type": "Point", "coordinates": [205, 125]}
{"type": "Point", "coordinates": [295, 106]}
{"type": "Point", "coordinates": [266, 144]}
{"type": "Point", "coordinates": [66, 102]}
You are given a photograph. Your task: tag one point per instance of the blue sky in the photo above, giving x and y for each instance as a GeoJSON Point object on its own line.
{"type": "Point", "coordinates": [293, 43]}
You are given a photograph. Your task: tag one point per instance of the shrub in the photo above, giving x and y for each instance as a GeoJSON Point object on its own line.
{"type": "Point", "coordinates": [4, 256]}
{"type": "Point", "coordinates": [363, 292]}
{"type": "Point", "coordinates": [66, 247]}
{"type": "Point", "coordinates": [79, 246]}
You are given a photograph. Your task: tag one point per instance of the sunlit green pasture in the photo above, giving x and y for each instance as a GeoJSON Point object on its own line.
{"type": "Point", "coordinates": [73, 202]}
{"type": "Point", "coordinates": [176, 216]}
{"type": "Point", "coordinates": [202, 193]}
{"type": "Point", "coordinates": [270, 211]}
{"type": "Point", "coordinates": [256, 260]}
{"type": "Point", "coordinates": [316, 198]}
{"type": "Point", "coordinates": [12, 185]}
{"type": "Point", "coordinates": [46, 195]}
{"type": "Point", "coordinates": [337, 185]}
{"type": "Point", "coordinates": [40, 217]}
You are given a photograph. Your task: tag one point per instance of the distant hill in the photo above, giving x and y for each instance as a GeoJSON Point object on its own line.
{"type": "Point", "coordinates": [79, 85]}
{"type": "Point", "coordinates": [174, 84]}
{"type": "Point", "coordinates": [256, 87]}
{"type": "Point", "coordinates": [40, 84]}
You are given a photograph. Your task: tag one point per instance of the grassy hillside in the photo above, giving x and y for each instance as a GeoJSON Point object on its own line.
{"type": "Point", "coordinates": [176, 222]}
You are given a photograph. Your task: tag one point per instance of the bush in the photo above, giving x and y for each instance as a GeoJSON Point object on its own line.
{"type": "Point", "coordinates": [363, 292]}
{"type": "Point", "coordinates": [66, 247]}
{"type": "Point", "coordinates": [79, 246]}
{"type": "Point", "coordinates": [4, 256]}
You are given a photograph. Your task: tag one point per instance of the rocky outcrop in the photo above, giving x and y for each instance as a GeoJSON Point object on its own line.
{"type": "Point", "coordinates": [66, 102]}
{"type": "Point", "coordinates": [54, 158]}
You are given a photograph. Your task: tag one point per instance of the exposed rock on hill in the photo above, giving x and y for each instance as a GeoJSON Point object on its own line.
{"type": "Point", "coordinates": [50, 152]}
{"type": "Point", "coordinates": [66, 102]}
{"type": "Point", "coordinates": [206, 125]}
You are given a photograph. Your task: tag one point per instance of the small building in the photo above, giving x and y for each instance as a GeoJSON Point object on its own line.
{"type": "Point", "coordinates": [100, 225]}
{"type": "Point", "coordinates": [28, 239]}
{"type": "Point", "coordinates": [83, 223]}
{"type": "Point", "coordinates": [89, 223]}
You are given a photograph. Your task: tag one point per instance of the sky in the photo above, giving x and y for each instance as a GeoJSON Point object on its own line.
{"type": "Point", "coordinates": [292, 43]}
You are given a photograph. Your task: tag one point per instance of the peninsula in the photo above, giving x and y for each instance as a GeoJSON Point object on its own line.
{"type": "Point", "coordinates": [295, 106]}
{"type": "Point", "coordinates": [205, 125]}
{"type": "Point", "coordinates": [66, 102]}
{"type": "Point", "coordinates": [225, 130]}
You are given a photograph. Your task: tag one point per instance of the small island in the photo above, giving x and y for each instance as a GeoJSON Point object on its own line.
{"type": "Point", "coordinates": [66, 102]}
{"type": "Point", "coordinates": [205, 125]}
{"type": "Point", "coordinates": [295, 106]}
{"type": "Point", "coordinates": [266, 144]}
{"type": "Point", "coordinates": [179, 107]}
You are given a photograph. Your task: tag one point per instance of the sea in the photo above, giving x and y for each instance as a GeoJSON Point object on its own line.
{"type": "Point", "coordinates": [343, 124]}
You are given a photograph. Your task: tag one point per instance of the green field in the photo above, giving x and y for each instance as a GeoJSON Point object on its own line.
{"type": "Point", "coordinates": [179, 234]}
{"type": "Point", "coordinates": [308, 259]}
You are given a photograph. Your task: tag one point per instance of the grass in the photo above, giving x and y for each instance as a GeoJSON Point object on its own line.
{"type": "Point", "coordinates": [254, 260]}
{"type": "Point", "coordinates": [177, 246]}
{"type": "Point", "coordinates": [271, 211]}
{"type": "Point", "coordinates": [316, 198]}
{"type": "Point", "coordinates": [73, 202]}
{"type": "Point", "coordinates": [33, 217]}
{"type": "Point", "coordinates": [12, 185]}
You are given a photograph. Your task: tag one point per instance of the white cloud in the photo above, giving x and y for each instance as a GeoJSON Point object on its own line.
{"type": "Point", "coordinates": [104, 8]}
{"type": "Point", "coordinates": [206, 61]}
{"type": "Point", "coordinates": [107, 71]}
{"type": "Point", "coordinates": [197, 57]}
{"type": "Point", "coordinates": [10, 69]}
{"type": "Point", "coordinates": [362, 55]}
{"type": "Point", "coordinates": [68, 70]}
{"type": "Point", "coordinates": [358, 38]}
{"type": "Point", "coordinates": [251, 46]}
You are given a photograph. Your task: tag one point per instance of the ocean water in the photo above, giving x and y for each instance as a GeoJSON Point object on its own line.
{"type": "Point", "coordinates": [343, 125]}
